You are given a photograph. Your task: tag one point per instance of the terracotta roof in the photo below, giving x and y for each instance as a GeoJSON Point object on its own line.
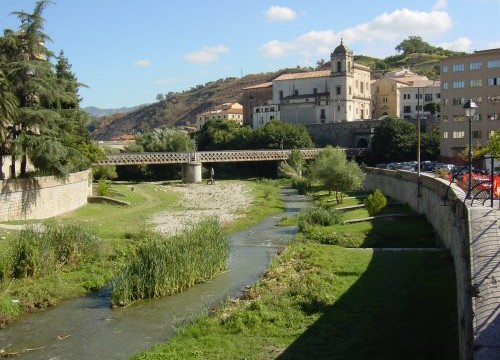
{"type": "Point", "coordinates": [304, 75]}
{"type": "Point", "coordinates": [258, 86]}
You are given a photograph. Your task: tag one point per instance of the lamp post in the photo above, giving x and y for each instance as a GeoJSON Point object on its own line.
{"type": "Point", "coordinates": [470, 110]}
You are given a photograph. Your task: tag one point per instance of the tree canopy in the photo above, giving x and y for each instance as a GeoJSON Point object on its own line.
{"type": "Point", "coordinates": [49, 127]}
{"type": "Point", "coordinates": [394, 139]}
{"type": "Point", "coordinates": [332, 169]}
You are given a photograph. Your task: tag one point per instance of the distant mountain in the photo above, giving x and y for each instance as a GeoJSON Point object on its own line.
{"type": "Point", "coordinates": [98, 112]}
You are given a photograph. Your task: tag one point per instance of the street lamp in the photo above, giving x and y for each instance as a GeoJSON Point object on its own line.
{"type": "Point", "coordinates": [470, 110]}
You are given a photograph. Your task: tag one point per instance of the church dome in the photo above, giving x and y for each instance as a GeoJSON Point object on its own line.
{"type": "Point", "coordinates": [341, 49]}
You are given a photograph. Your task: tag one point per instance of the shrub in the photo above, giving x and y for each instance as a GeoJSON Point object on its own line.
{"type": "Point", "coordinates": [319, 216]}
{"type": "Point", "coordinates": [103, 188]}
{"type": "Point", "coordinates": [375, 202]}
{"type": "Point", "coordinates": [300, 184]}
{"type": "Point", "coordinates": [35, 253]}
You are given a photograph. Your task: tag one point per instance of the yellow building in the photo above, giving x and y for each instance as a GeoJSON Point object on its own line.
{"type": "Point", "coordinates": [227, 111]}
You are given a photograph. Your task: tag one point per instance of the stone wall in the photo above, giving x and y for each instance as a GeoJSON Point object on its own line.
{"type": "Point", "coordinates": [344, 134]}
{"type": "Point", "coordinates": [450, 221]}
{"type": "Point", "coordinates": [43, 197]}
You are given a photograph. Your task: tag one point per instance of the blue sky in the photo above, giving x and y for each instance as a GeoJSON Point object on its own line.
{"type": "Point", "coordinates": [129, 51]}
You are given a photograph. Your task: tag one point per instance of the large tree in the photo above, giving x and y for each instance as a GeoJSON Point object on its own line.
{"type": "Point", "coordinates": [50, 127]}
{"type": "Point", "coordinates": [8, 115]}
{"type": "Point", "coordinates": [277, 134]}
{"type": "Point", "coordinates": [394, 139]}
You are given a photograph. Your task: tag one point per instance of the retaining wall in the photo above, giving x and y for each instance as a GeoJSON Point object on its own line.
{"type": "Point", "coordinates": [451, 222]}
{"type": "Point", "coordinates": [43, 197]}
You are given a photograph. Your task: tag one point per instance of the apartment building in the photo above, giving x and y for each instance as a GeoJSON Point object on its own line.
{"type": "Point", "coordinates": [265, 113]}
{"type": "Point", "coordinates": [474, 76]}
{"type": "Point", "coordinates": [227, 111]}
{"type": "Point", "coordinates": [413, 100]}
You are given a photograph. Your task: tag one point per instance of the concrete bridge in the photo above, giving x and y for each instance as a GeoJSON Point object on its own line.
{"type": "Point", "coordinates": [192, 161]}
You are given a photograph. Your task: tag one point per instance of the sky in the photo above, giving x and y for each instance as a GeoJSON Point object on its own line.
{"type": "Point", "coordinates": [127, 52]}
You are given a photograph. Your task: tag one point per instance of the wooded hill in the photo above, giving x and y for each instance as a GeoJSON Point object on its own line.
{"type": "Point", "coordinates": [181, 108]}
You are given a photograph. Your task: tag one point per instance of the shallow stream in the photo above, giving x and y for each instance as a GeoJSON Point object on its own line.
{"type": "Point", "coordinates": [87, 328]}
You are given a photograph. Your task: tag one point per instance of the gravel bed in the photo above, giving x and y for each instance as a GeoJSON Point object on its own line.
{"type": "Point", "coordinates": [220, 200]}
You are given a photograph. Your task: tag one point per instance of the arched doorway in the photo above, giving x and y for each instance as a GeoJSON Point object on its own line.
{"type": "Point", "coordinates": [362, 143]}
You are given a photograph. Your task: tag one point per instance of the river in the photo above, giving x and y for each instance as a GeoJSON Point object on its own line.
{"type": "Point", "coordinates": [87, 327]}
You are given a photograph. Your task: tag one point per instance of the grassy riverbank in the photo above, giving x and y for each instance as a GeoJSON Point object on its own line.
{"type": "Point", "coordinates": [322, 301]}
{"type": "Point", "coordinates": [117, 229]}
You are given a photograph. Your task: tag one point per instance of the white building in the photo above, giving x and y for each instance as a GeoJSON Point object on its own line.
{"type": "Point", "coordinates": [414, 97]}
{"type": "Point", "coordinates": [265, 113]}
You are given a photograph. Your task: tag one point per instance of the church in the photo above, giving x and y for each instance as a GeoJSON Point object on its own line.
{"type": "Point", "coordinates": [340, 94]}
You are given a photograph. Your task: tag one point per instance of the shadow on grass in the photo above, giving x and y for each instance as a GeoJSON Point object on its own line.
{"type": "Point", "coordinates": [402, 307]}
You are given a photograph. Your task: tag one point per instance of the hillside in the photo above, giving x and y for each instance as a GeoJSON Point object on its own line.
{"type": "Point", "coordinates": [180, 109]}
{"type": "Point", "coordinates": [98, 112]}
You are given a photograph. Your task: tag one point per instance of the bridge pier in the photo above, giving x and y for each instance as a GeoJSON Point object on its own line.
{"type": "Point", "coordinates": [191, 172]}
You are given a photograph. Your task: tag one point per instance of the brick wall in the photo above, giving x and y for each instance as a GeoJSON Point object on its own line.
{"type": "Point", "coordinates": [43, 197]}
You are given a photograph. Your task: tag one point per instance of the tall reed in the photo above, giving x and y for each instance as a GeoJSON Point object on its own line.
{"type": "Point", "coordinates": [163, 266]}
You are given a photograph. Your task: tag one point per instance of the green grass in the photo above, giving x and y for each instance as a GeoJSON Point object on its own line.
{"type": "Point", "coordinates": [118, 229]}
{"type": "Point", "coordinates": [325, 302]}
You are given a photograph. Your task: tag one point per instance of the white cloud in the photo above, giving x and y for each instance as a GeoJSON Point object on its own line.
{"type": "Point", "coordinates": [461, 44]}
{"type": "Point", "coordinates": [142, 63]}
{"type": "Point", "coordinates": [440, 5]}
{"type": "Point", "coordinates": [386, 29]}
{"type": "Point", "coordinates": [313, 43]}
{"type": "Point", "coordinates": [207, 54]}
{"type": "Point", "coordinates": [279, 13]}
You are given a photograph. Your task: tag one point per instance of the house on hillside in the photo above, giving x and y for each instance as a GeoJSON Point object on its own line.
{"type": "Point", "coordinates": [404, 94]}
{"type": "Point", "coordinates": [227, 111]}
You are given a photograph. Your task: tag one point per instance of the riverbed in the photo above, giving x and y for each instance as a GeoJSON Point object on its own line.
{"type": "Point", "coordinates": [87, 328]}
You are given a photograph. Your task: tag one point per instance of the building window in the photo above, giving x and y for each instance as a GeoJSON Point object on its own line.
{"type": "Point", "coordinates": [295, 92]}
{"type": "Point", "coordinates": [445, 85]}
{"type": "Point", "coordinates": [476, 134]}
{"type": "Point", "coordinates": [475, 65]}
{"type": "Point", "coordinates": [384, 99]}
{"type": "Point", "coordinates": [445, 134]}
{"type": "Point", "coordinates": [281, 94]}
{"type": "Point", "coordinates": [271, 117]}
{"type": "Point", "coordinates": [458, 84]}
{"type": "Point", "coordinates": [458, 101]}
{"type": "Point", "coordinates": [444, 68]}
{"type": "Point", "coordinates": [350, 90]}
{"type": "Point", "coordinates": [458, 67]}
{"type": "Point", "coordinates": [458, 118]}
{"type": "Point", "coordinates": [418, 107]}
{"type": "Point", "coordinates": [407, 109]}
{"type": "Point", "coordinates": [428, 97]}
{"type": "Point", "coordinates": [494, 81]}
{"type": "Point", "coordinates": [493, 64]}
{"type": "Point", "coordinates": [339, 66]}
{"type": "Point", "coordinates": [272, 108]}
{"type": "Point", "coordinates": [458, 134]}
{"type": "Point", "coordinates": [445, 102]}
{"type": "Point", "coordinates": [445, 118]}
{"type": "Point", "coordinates": [315, 90]}
{"type": "Point", "coordinates": [361, 87]}
{"type": "Point", "coordinates": [493, 116]}
{"type": "Point", "coordinates": [338, 107]}
{"type": "Point", "coordinates": [337, 90]}
{"type": "Point", "coordinates": [257, 110]}
{"type": "Point", "coordinates": [475, 82]}
{"type": "Point", "coordinates": [322, 114]}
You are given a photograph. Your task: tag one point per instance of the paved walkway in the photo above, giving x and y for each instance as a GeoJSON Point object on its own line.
{"type": "Point", "coordinates": [485, 276]}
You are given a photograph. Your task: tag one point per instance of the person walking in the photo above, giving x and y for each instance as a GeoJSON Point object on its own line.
{"type": "Point", "coordinates": [212, 173]}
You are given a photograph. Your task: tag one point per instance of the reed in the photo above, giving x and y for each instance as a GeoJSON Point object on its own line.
{"type": "Point", "coordinates": [163, 266]}
{"type": "Point", "coordinates": [318, 216]}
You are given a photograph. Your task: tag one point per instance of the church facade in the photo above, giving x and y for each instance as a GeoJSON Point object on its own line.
{"type": "Point", "coordinates": [340, 94]}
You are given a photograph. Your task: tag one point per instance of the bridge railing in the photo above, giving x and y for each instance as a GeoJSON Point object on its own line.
{"type": "Point", "coordinates": [212, 156]}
